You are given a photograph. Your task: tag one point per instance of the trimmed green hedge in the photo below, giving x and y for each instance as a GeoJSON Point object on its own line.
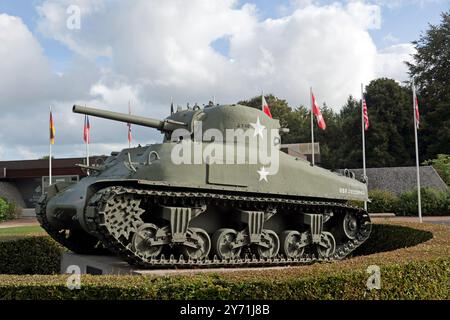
{"type": "Point", "coordinates": [413, 280]}
{"type": "Point", "coordinates": [33, 255]}
{"type": "Point", "coordinates": [434, 202]}
{"type": "Point", "coordinates": [414, 264]}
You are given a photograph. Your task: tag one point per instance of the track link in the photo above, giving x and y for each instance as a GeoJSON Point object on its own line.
{"type": "Point", "coordinates": [98, 207]}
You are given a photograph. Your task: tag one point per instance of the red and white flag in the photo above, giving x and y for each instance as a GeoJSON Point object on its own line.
{"type": "Point", "coordinates": [316, 111]}
{"type": "Point", "coordinates": [265, 107]}
{"type": "Point", "coordinates": [365, 115]}
{"type": "Point", "coordinates": [416, 108]}
{"type": "Point", "coordinates": [86, 129]}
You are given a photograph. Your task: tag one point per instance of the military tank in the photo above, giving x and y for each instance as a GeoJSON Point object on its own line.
{"type": "Point", "coordinates": [202, 197]}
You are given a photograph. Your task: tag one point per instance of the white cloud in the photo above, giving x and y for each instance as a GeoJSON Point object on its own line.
{"type": "Point", "coordinates": [25, 71]}
{"type": "Point", "coordinates": [161, 49]}
{"type": "Point", "coordinates": [388, 61]}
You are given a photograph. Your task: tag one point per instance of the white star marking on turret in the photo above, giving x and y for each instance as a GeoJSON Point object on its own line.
{"type": "Point", "coordinates": [263, 173]}
{"type": "Point", "coordinates": [259, 128]}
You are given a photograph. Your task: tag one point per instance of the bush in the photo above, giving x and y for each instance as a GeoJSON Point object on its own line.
{"type": "Point", "coordinates": [434, 202]}
{"type": "Point", "coordinates": [7, 210]}
{"type": "Point", "coordinates": [382, 201]}
{"type": "Point", "coordinates": [417, 272]}
{"type": "Point", "coordinates": [33, 255]}
{"type": "Point", "coordinates": [442, 166]}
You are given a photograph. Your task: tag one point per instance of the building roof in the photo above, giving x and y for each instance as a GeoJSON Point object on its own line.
{"type": "Point", "coordinates": [39, 168]}
{"type": "Point", "coordinates": [400, 179]}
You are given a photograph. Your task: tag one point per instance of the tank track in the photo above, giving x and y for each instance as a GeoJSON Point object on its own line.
{"type": "Point", "coordinates": [78, 242]}
{"type": "Point", "coordinates": [97, 208]}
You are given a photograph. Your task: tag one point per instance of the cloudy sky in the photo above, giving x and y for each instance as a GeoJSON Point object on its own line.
{"type": "Point", "coordinates": [149, 51]}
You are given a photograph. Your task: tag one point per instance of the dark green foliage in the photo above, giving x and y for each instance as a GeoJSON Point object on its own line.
{"type": "Point", "coordinates": [7, 210]}
{"type": "Point", "coordinates": [390, 138]}
{"type": "Point", "coordinates": [419, 272]}
{"type": "Point", "coordinates": [442, 165]}
{"type": "Point", "coordinates": [382, 201]}
{"type": "Point", "coordinates": [33, 255]}
{"type": "Point", "coordinates": [433, 202]}
{"type": "Point", "coordinates": [431, 70]}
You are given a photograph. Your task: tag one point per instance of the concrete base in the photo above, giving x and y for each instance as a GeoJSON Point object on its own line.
{"type": "Point", "coordinates": [111, 265]}
{"type": "Point", "coordinates": [28, 213]}
{"type": "Point", "coordinates": [96, 265]}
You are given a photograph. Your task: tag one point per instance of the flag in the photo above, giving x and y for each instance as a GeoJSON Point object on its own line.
{"type": "Point", "coordinates": [366, 116]}
{"type": "Point", "coordinates": [265, 107]}
{"type": "Point", "coordinates": [52, 129]}
{"type": "Point", "coordinates": [171, 108]}
{"type": "Point", "coordinates": [416, 108]}
{"type": "Point", "coordinates": [129, 126]}
{"type": "Point", "coordinates": [86, 130]}
{"type": "Point", "coordinates": [316, 111]}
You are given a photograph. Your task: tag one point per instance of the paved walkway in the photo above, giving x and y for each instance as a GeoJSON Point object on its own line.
{"type": "Point", "coordinates": [21, 222]}
{"type": "Point", "coordinates": [445, 220]}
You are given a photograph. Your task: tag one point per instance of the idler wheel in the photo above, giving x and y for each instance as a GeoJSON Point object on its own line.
{"type": "Point", "coordinates": [224, 241]}
{"type": "Point", "coordinates": [327, 245]}
{"type": "Point", "coordinates": [270, 244]}
{"type": "Point", "coordinates": [198, 244]}
{"type": "Point", "coordinates": [291, 244]}
{"type": "Point", "coordinates": [143, 241]}
{"type": "Point", "coordinates": [350, 225]}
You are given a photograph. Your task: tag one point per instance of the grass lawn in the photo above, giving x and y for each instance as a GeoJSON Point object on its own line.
{"type": "Point", "coordinates": [7, 234]}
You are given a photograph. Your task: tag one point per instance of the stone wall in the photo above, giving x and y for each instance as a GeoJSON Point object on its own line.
{"type": "Point", "coordinates": [9, 191]}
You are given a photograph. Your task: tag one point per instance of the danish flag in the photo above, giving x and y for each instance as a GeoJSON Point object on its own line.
{"type": "Point", "coordinates": [316, 111]}
{"type": "Point", "coordinates": [265, 107]}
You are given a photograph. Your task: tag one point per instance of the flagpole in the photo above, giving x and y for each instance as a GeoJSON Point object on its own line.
{"type": "Point", "coordinates": [129, 125]}
{"type": "Point", "coordinates": [419, 204]}
{"type": "Point", "coordinates": [363, 139]}
{"type": "Point", "coordinates": [312, 127]}
{"type": "Point", "coordinates": [87, 136]}
{"type": "Point", "coordinates": [50, 155]}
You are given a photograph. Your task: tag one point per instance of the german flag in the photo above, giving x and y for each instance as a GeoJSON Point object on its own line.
{"type": "Point", "coordinates": [52, 129]}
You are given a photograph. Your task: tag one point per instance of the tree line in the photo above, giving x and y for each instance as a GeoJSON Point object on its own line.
{"type": "Point", "coordinates": [390, 138]}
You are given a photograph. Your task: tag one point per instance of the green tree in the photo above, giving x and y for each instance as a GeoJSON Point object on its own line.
{"type": "Point", "coordinates": [390, 138]}
{"type": "Point", "coordinates": [431, 71]}
{"type": "Point", "coordinates": [442, 166]}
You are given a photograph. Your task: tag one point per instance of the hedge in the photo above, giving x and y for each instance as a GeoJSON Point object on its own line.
{"type": "Point", "coordinates": [32, 255]}
{"type": "Point", "coordinates": [434, 202]}
{"type": "Point", "coordinates": [420, 271]}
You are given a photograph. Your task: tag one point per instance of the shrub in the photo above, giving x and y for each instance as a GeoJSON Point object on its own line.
{"type": "Point", "coordinates": [434, 202]}
{"type": "Point", "coordinates": [381, 201]}
{"type": "Point", "coordinates": [442, 166]}
{"type": "Point", "coordinates": [8, 210]}
{"type": "Point", "coordinates": [417, 272]}
{"type": "Point", "coordinates": [33, 255]}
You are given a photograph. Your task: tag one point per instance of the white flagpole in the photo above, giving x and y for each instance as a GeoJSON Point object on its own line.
{"type": "Point", "coordinates": [312, 127]}
{"type": "Point", "coordinates": [363, 139]}
{"type": "Point", "coordinates": [50, 155]}
{"type": "Point", "coordinates": [129, 125]}
{"type": "Point", "coordinates": [87, 141]}
{"type": "Point", "coordinates": [419, 203]}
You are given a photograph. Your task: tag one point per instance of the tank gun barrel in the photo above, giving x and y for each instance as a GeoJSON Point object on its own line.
{"type": "Point", "coordinates": [162, 125]}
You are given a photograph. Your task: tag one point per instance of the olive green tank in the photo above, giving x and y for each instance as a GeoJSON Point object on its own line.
{"type": "Point", "coordinates": [217, 192]}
